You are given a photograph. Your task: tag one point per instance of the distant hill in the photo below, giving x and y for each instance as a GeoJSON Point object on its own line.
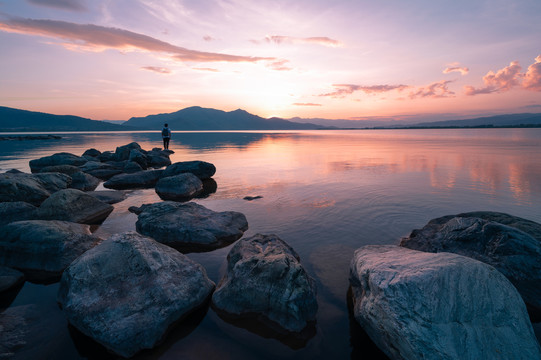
{"type": "Point", "coordinates": [510, 120]}
{"type": "Point", "coordinates": [13, 120]}
{"type": "Point", "coordinates": [198, 118]}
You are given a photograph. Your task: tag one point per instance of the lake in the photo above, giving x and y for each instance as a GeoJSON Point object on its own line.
{"type": "Point", "coordinates": [326, 193]}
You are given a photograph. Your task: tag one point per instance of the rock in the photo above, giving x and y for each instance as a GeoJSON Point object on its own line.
{"type": "Point", "coordinates": [139, 180]}
{"type": "Point", "coordinates": [75, 206]}
{"type": "Point", "coordinates": [265, 277]}
{"type": "Point", "coordinates": [92, 152]}
{"type": "Point", "coordinates": [513, 252]}
{"type": "Point", "coordinates": [189, 226]}
{"type": "Point", "coordinates": [530, 227]}
{"type": "Point", "coordinates": [57, 159]}
{"type": "Point", "coordinates": [43, 249]}
{"type": "Point", "coordinates": [132, 167]}
{"type": "Point", "coordinates": [9, 278]}
{"type": "Point", "coordinates": [127, 292]}
{"type": "Point", "coordinates": [179, 187]}
{"type": "Point", "coordinates": [107, 156]}
{"type": "Point", "coordinates": [250, 198]}
{"type": "Point", "coordinates": [123, 152]}
{"type": "Point", "coordinates": [417, 305]}
{"type": "Point", "coordinates": [16, 211]}
{"type": "Point", "coordinates": [53, 182]}
{"type": "Point", "coordinates": [14, 171]}
{"type": "Point", "coordinates": [64, 169]}
{"type": "Point", "coordinates": [108, 196]}
{"type": "Point", "coordinates": [158, 158]}
{"type": "Point", "coordinates": [14, 323]}
{"type": "Point", "coordinates": [83, 181]}
{"type": "Point", "coordinates": [138, 157]}
{"type": "Point", "coordinates": [201, 169]}
{"type": "Point", "coordinates": [22, 187]}
{"type": "Point", "coordinates": [100, 170]}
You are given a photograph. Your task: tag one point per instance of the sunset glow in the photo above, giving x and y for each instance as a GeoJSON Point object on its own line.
{"type": "Point", "coordinates": [329, 59]}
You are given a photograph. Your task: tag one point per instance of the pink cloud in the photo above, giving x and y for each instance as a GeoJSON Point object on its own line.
{"type": "Point", "coordinates": [532, 77]}
{"type": "Point", "coordinates": [502, 80]}
{"type": "Point", "coordinates": [100, 38]}
{"type": "Point", "coordinates": [208, 38]}
{"type": "Point", "coordinates": [279, 65]}
{"type": "Point", "coordinates": [160, 70]}
{"type": "Point", "coordinates": [306, 104]}
{"type": "Point", "coordinates": [341, 90]}
{"type": "Point", "coordinates": [206, 69]}
{"type": "Point", "coordinates": [437, 89]}
{"type": "Point", "coordinates": [318, 40]}
{"type": "Point", "coordinates": [72, 5]}
{"type": "Point", "coordinates": [455, 67]}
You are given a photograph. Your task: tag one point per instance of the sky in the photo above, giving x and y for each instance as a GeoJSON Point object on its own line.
{"type": "Point", "coordinates": [335, 59]}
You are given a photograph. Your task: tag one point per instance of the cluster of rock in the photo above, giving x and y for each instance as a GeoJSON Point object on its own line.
{"type": "Point", "coordinates": [127, 291]}
{"type": "Point", "coordinates": [31, 137]}
{"type": "Point", "coordinates": [455, 289]}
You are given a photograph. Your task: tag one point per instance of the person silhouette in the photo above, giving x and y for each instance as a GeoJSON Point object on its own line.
{"type": "Point", "coordinates": [166, 136]}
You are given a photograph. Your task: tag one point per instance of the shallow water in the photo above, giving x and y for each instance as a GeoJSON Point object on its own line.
{"type": "Point", "coordinates": [326, 193]}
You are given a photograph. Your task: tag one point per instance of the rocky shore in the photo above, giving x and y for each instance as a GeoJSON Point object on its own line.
{"type": "Point", "coordinates": [464, 286]}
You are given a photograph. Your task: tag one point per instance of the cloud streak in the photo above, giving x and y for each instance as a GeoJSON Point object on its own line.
{"type": "Point", "coordinates": [71, 5]}
{"type": "Point", "coordinates": [455, 67]}
{"type": "Point", "coordinates": [341, 90]}
{"type": "Point", "coordinates": [306, 104]}
{"type": "Point", "coordinates": [99, 38]}
{"type": "Point", "coordinates": [317, 40]}
{"type": "Point", "coordinates": [157, 69]}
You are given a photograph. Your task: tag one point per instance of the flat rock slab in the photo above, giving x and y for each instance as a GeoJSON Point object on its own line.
{"type": "Point", "coordinates": [514, 252]}
{"type": "Point", "coordinates": [201, 169]}
{"type": "Point", "coordinates": [265, 278]}
{"type": "Point", "coordinates": [10, 278]}
{"type": "Point", "coordinates": [137, 180]}
{"type": "Point", "coordinates": [127, 292]}
{"type": "Point", "coordinates": [43, 249]}
{"type": "Point", "coordinates": [180, 187]}
{"type": "Point", "coordinates": [189, 226]}
{"type": "Point", "coordinates": [418, 305]}
{"type": "Point", "coordinates": [75, 206]}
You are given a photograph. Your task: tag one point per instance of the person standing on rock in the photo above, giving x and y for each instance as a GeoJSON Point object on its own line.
{"type": "Point", "coordinates": [166, 136]}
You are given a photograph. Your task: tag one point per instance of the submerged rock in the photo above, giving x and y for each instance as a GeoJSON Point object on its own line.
{"type": "Point", "coordinates": [127, 292]}
{"type": "Point", "coordinates": [189, 226]}
{"type": "Point", "coordinates": [16, 211]}
{"type": "Point", "coordinates": [43, 249]}
{"type": "Point", "coordinates": [179, 187]}
{"type": "Point", "coordinates": [201, 169]}
{"type": "Point", "coordinates": [137, 180]}
{"type": "Point", "coordinates": [265, 278]}
{"type": "Point", "coordinates": [56, 159]}
{"type": "Point", "coordinates": [515, 253]}
{"type": "Point", "coordinates": [75, 206]}
{"type": "Point", "coordinates": [415, 305]}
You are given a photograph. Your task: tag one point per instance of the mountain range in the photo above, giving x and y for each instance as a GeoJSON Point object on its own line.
{"type": "Point", "coordinates": [198, 118]}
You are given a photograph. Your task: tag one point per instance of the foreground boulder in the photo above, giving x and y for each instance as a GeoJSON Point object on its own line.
{"type": "Point", "coordinates": [190, 226]}
{"type": "Point", "coordinates": [515, 253]}
{"type": "Point", "coordinates": [201, 169]}
{"type": "Point", "coordinates": [75, 206]}
{"type": "Point", "coordinates": [136, 180]}
{"type": "Point", "coordinates": [31, 188]}
{"type": "Point", "coordinates": [179, 187]}
{"type": "Point", "coordinates": [265, 277]}
{"type": "Point", "coordinates": [43, 249]}
{"type": "Point", "coordinates": [417, 305]}
{"type": "Point", "coordinates": [126, 292]}
{"type": "Point", "coordinates": [56, 159]}
{"type": "Point", "coordinates": [10, 278]}
{"type": "Point", "coordinates": [16, 211]}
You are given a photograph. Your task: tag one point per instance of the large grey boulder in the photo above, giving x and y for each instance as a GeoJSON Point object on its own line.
{"type": "Point", "coordinates": [137, 180]}
{"type": "Point", "coordinates": [138, 157]}
{"type": "Point", "coordinates": [201, 169]}
{"type": "Point", "coordinates": [52, 182]}
{"type": "Point", "coordinates": [9, 278]}
{"type": "Point", "coordinates": [43, 249]}
{"type": "Point", "coordinates": [127, 292]}
{"type": "Point", "coordinates": [179, 187]}
{"type": "Point", "coordinates": [31, 188]}
{"type": "Point", "coordinates": [418, 305]}
{"type": "Point", "coordinates": [16, 211]}
{"type": "Point", "coordinates": [515, 253]}
{"type": "Point", "coordinates": [189, 226]}
{"type": "Point", "coordinates": [123, 152]}
{"type": "Point", "coordinates": [265, 277]}
{"type": "Point", "coordinates": [157, 158]}
{"type": "Point", "coordinates": [63, 158]}
{"type": "Point", "coordinates": [83, 181]}
{"type": "Point", "coordinates": [75, 206]}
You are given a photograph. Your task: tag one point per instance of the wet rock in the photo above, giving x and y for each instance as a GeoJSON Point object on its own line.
{"type": "Point", "coordinates": [189, 226]}
{"type": "Point", "coordinates": [57, 159]}
{"type": "Point", "coordinates": [75, 206]}
{"type": "Point", "coordinates": [123, 152]}
{"type": "Point", "coordinates": [128, 291]}
{"type": "Point", "coordinates": [22, 187]}
{"type": "Point", "coordinates": [415, 305]}
{"type": "Point", "coordinates": [201, 169]}
{"type": "Point", "coordinates": [180, 187]}
{"type": "Point", "coordinates": [83, 181]}
{"type": "Point", "coordinates": [138, 180]}
{"type": "Point", "coordinates": [9, 278]}
{"type": "Point", "coordinates": [108, 196]}
{"type": "Point", "coordinates": [16, 211]}
{"type": "Point", "coordinates": [265, 277]}
{"type": "Point", "coordinates": [43, 249]}
{"type": "Point", "coordinates": [515, 253]}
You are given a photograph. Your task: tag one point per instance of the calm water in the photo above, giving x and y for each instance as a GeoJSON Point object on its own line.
{"type": "Point", "coordinates": [326, 193]}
